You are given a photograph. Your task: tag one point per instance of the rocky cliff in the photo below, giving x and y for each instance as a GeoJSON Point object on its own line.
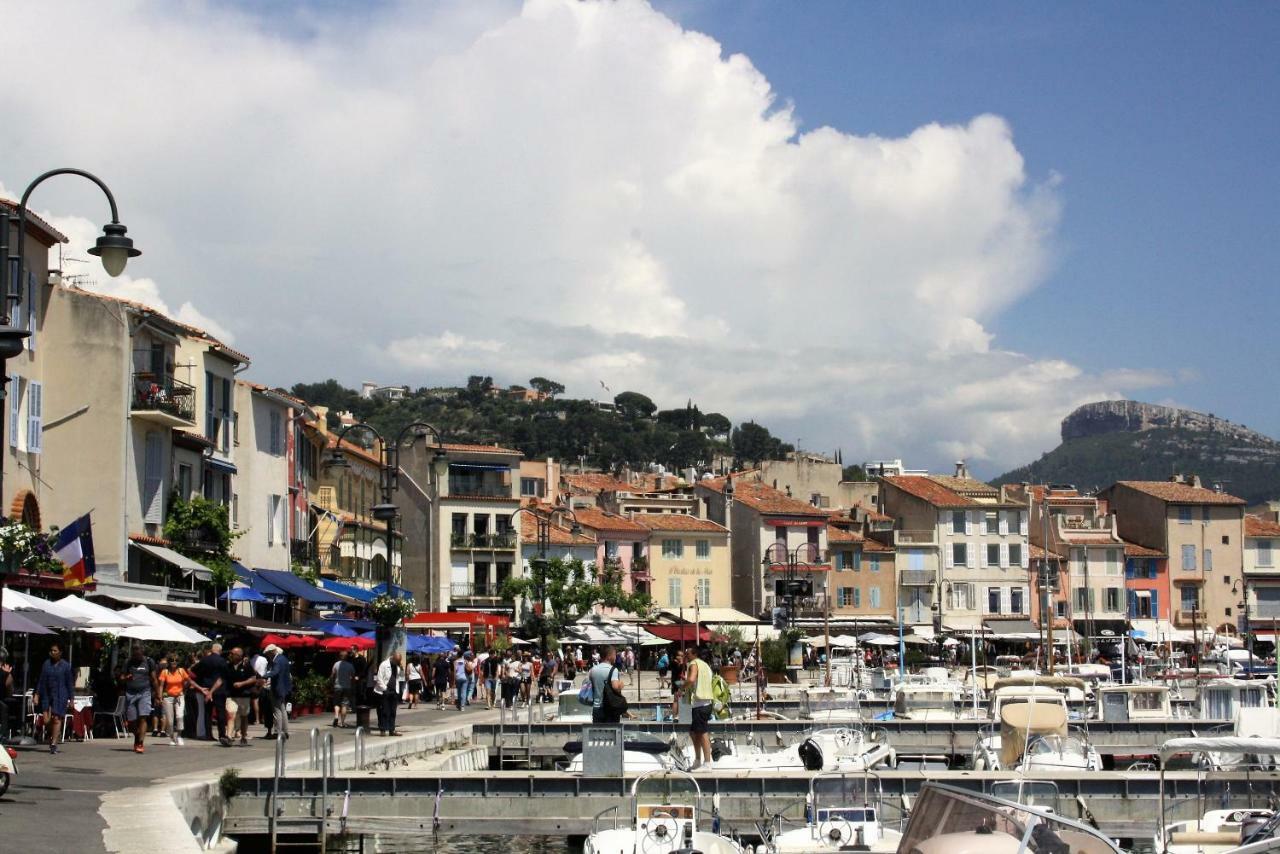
{"type": "Point", "coordinates": [1126, 440]}
{"type": "Point", "coordinates": [1130, 416]}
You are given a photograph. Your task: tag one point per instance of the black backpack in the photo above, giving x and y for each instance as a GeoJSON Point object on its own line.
{"type": "Point", "coordinates": [614, 703]}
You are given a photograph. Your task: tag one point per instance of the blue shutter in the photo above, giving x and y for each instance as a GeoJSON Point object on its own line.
{"type": "Point", "coordinates": [1133, 603]}
{"type": "Point", "coordinates": [1155, 604]}
{"type": "Point", "coordinates": [32, 294]}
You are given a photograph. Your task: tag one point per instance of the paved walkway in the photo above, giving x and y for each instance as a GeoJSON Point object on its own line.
{"type": "Point", "coordinates": [53, 802]}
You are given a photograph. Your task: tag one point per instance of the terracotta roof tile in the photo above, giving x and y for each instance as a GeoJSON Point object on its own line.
{"type": "Point", "coordinates": [1038, 553]}
{"type": "Point", "coordinates": [1180, 493]}
{"type": "Point", "coordinates": [33, 220]}
{"type": "Point", "coordinates": [928, 489]}
{"type": "Point", "coordinates": [1132, 549]}
{"type": "Point", "coordinates": [480, 449]}
{"type": "Point", "coordinates": [841, 535]}
{"type": "Point", "coordinates": [558, 535]}
{"type": "Point", "coordinates": [1256, 526]}
{"type": "Point", "coordinates": [596, 519]}
{"type": "Point", "coordinates": [149, 540]}
{"type": "Point", "coordinates": [677, 522]}
{"type": "Point", "coordinates": [870, 545]}
{"type": "Point", "coordinates": [763, 498]}
{"type": "Point", "coordinates": [593, 483]}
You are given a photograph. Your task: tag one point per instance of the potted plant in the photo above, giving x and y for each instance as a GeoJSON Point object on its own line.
{"type": "Point", "coordinates": [729, 639]}
{"type": "Point", "coordinates": [773, 657]}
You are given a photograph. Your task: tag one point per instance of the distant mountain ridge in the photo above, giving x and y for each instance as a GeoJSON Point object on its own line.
{"type": "Point", "coordinates": [1127, 440]}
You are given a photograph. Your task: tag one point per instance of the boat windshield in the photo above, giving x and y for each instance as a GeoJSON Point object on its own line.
{"type": "Point", "coordinates": [915, 700]}
{"type": "Point", "coordinates": [1031, 793]}
{"type": "Point", "coordinates": [827, 701]}
{"type": "Point", "coordinates": [854, 798]}
{"type": "Point", "coordinates": [1057, 745]}
{"type": "Point", "coordinates": [569, 705]}
{"type": "Point", "coordinates": [950, 821]}
{"type": "Point", "coordinates": [1146, 701]}
{"type": "Point", "coordinates": [666, 789]}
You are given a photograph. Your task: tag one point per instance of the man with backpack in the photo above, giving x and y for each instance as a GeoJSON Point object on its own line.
{"type": "Point", "coordinates": [138, 677]}
{"type": "Point", "coordinates": [606, 690]}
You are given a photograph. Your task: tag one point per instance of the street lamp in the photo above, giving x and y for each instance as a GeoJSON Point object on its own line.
{"type": "Point", "coordinates": [544, 519]}
{"type": "Point", "coordinates": [791, 587]}
{"type": "Point", "coordinates": [386, 510]}
{"type": "Point", "coordinates": [113, 247]}
{"type": "Point", "coordinates": [1241, 588]}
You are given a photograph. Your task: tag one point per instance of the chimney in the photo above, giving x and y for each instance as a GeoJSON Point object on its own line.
{"type": "Point", "coordinates": [1177, 478]}
{"type": "Point", "coordinates": [553, 484]}
{"type": "Point", "coordinates": [322, 418]}
{"type": "Point", "coordinates": [962, 471]}
{"type": "Point", "coordinates": [1195, 481]}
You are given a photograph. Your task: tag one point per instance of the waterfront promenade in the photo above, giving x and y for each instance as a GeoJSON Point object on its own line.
{"type": "Point", "coordinates": [55, 802]}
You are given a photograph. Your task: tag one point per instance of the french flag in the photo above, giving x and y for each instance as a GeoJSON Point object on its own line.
{"type": "Point", "coordinates": [74, 547]}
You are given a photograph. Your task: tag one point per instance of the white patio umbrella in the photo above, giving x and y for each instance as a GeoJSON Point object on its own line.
{"type": "Point", "coordinates": [183, 634]}
{"type": "Point", "coordinates": [98, 616]}
{"type": "Point", "coordinates": [20, 601]}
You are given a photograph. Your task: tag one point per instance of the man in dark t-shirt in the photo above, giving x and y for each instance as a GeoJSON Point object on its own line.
{"type": "Point", "coordinates": [210, 672]}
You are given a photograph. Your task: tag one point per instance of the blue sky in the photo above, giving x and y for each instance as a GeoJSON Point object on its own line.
{"type": "Point", "coordinates": [1162, 119]}
{"type": "Point", "coordinates": [587, 192]}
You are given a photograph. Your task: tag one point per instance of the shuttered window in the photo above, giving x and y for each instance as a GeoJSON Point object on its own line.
{"type": "Point", "coordinates": [15, 409]}
{"type": "Point", "coordinates": [152, 479]}
{"type": "Point", "coordinates": [35, 417]}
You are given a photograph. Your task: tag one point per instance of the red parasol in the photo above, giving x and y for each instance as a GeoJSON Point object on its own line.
{"type": "Point", "coordinates": [337, 644]}
{"type": "Point", "coordinates": [289, 641]}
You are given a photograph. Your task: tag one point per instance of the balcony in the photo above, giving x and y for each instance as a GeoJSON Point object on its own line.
{"type": "Point", "coordinates": [917, 577]}
{"type": "Point", "coordinates": [475, 590]}
{"type": "Point", "coordinates": [504, 541]}
{"type": "Point", "coordinates": [300, 551]}
{"type": "Point", "coordinates": [163, 400]}
{"type": "Point", "coordinates": [927, 537]}
{"type": "Point", "coordinates": [1189, 619]}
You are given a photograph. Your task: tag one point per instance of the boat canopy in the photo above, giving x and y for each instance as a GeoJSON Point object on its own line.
{"type": "Point", "coordinates": [1221, 744]}
{"type": "Point", "coordinates": [1020, 722]}
{"type": "Point", "coordinates": [1055, 682]}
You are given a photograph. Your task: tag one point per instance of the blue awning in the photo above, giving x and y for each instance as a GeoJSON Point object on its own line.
{"type": "Point", "coordinates": [242, 594]}
{"type": "Point", "coordinates": [221, 465]}
{"type": "Point", "coordinates": [258, 584]}
{"type": "Point", "coordinates": [349, 590]}
{"type": "Point", "coordinates": [345, 628]}
{"type": "Point", "coordinates": [295, 586]}
{"type": "Point", "coordinates": [398, 592]}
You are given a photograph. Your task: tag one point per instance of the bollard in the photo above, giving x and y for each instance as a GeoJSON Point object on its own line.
{"type": "Point", "coordinates": [313, 751]}
{"type": "Point", "coordinates": [358, 758]}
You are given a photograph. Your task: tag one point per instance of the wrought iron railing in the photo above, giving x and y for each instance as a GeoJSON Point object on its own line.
{"type": "Point", "coordinates": [163, 393]}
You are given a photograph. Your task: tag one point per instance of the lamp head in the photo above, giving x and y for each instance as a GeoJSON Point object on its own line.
{"type": "Point", "coordinates": [114, 249]}
{"type": "Point", "coordinates": [11, 341]}
{"type": "Point", "coordinates": [441, 454]}
{"type": "Point", "coordinates": [337, 460]}
{"type": "Point", "coordinates": [384, 512]}
{"type": "Point", "coordinates": [575, 529]}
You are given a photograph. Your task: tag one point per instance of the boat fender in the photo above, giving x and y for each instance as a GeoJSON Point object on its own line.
{"type": "Point", "coordinates": [811, 755]}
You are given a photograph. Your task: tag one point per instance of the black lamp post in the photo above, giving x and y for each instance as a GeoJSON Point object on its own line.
{"type": "Point", "coordinates": [112, 247]}
{"type": "Point", "coordinates": [544, 519]}
{"type": "Point", "coordinates": [1242, 587]}
{"type": "Point", "coordinates": [777, 555]}
{"type": "Point", "coordinates": [385, 510]}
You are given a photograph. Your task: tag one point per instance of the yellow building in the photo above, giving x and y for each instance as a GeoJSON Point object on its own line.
{"type": "Point", "coordinates": [688, 561]}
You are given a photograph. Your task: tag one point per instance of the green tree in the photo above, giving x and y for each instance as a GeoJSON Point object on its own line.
{"type": "Point", "coordinates": [753, 443]}
{"type": "Point", "coordinates": [854, 472]}
{"type": "Point", "coordinates": [201, 530]}
{"type": "Point", "coordinates": [569, 590]}
{"type": "Point", "coordinates": [633, 405]}
{"type": "Point", "coordinates": [550, 388]}
{"type": "Point", "coordinates": [716, 424]}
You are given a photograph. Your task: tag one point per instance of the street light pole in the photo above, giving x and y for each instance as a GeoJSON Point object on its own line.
{"type": "Point", "coordinates": [543, 522]}
{"type": "Point", "coordinates": [1242, 586]}
{"type": "Point", "coordinates": [113, 247]}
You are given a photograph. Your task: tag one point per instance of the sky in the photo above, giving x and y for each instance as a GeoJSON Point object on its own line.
{"type": "Point", "coordinates": [924, 230]}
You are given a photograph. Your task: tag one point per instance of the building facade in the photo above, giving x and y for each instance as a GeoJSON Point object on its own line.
{"type": "Point", "coordinates": [1262, 572]}
{"type": "Point", "coordinates": [688, 561]}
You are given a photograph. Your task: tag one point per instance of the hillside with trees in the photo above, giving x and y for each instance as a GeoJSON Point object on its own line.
{"type": "Point", "coordinates": [630, 430]}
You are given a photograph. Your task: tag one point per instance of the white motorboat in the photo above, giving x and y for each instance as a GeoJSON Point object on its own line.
{"type": "Point", "coordinates": [946, 820]}
{"type": "Point", "coordinates": [1034, 737]}
{"type": "Point", "coordinates": [1239, 831]}
{"type": "Point", "coordinates": [843, 813]}
{"type": "Point", "coordinates": [1120, 703]}
{"type": "Point", "coordinates": [832, 705]}
{"type": "Point", "coordinates": [664, 810]}
{"type": "Point", "coordinates": [928, 701]}
{"type": "Point", "coordinates": [848, 749]}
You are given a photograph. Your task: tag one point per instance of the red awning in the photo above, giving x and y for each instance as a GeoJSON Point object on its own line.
{"type": "Point", "coordinates": [456, 620]}
{"type": "Point", "coordinates": [800, 567]}
{"type": "Point", "coordinates": [780, 522]}
{"type": "Point", "coordinates": [679, 634]}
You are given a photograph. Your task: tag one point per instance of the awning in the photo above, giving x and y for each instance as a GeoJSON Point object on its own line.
{"type": "Point", "coordinates": [678, 634]}
{"type": "Point", "coordinates": [143, 614]}
{"type": "Point", "coordinates": [456, 620]}
{"type": "Point", "coordinates": [480, 466]}
{"type": "Point", "coordinates": [766, 632]}
{"type": "Point", "coordinates": [182, 562]}
{"type": "Point", "coordinates": [258, 584]}
{"type": "Point", "coordinates": [214, 617]}
{"type": "Point", "coordinates": [398, 592]}
{"type": "Point", "coordinates": [297, 587]}
{"type": "Point", "coordinates": [1005, 628]}
{"type": "Point", "coordinates": [710, 615]}
{"type": "Point", "coordinates": [783, 522]}
{"type": "Point", "coordinates": [221, 465]}
{"type": "Point", "coordinates": [360, 594]}
{"type": "Point", "coordinates": [16, 622]}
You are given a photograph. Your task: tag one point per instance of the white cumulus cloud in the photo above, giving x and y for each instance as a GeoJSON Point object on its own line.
{"type": "Point", "coordinates": [578, 190]}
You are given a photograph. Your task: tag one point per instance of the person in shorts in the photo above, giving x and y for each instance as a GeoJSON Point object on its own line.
{"type": "Point", "coordinates": [141, 694]}
{"type": "Point", "coordinates": [240, 695]}
{"type": "Point", "coordinates": [697, 691]}
{"type": "Point", "coordinates": [342, 681]}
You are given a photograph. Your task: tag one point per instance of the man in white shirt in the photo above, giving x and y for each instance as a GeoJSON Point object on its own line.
{"type": "Point", "coordinates": [263, 711]}
{"type": "Point", "coordinates": [386, 684]}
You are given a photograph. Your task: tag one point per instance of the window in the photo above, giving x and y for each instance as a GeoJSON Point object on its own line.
{"type": "Point", "coordinates": [1189, 558]}
{"type": "Point", "coordinates": [1061, 608]}
{"type": "Point", "coordinates": [702, 550]}
{"type": "Point", "coordinates": [875, 597]}
{"type": "Point", "coordinates": [1184, 515]}
{"type": "Point", "coordinates": [1190, 598]}
{"type": "Point", "coordinates": [1084, 599]}
{"type": "Point", "coordinates": [962, 596]}
{"type": "Point", "coordinates": [780, 534]}
{"type": "Point", "coordinates": [1015, 601]}
{"type": "Point", "coordinates": [1226, 540]}
{"type": "Point", "coordinates": [959, 555]}
{"type": "Point", "coordinates": [673, 593]}
{"type": "Point", "coordinates": [1204, 513]}
{"type": "Point", "coordinates": [1268, 602]}
{"type": "Point", "coordinates": [235, 510]}
{"type": "Point", "coordinates": [993, 600]}
{"type": "Point", "coordinates": [15, 408]}
{"type": "Point", "coordinates": [274, 531]}
{"type": "Point", "coordinates": [957, 521]}
{"type": "Point", "coordinates": [1264, 553]}
{"type": "Point", "coordinates": [843, 561]}
{"type": "Point", "coordinates": [532, 487]}
{"type": "Point", "coordinates": [993, 554]}
{"type": "Point", "coordinates": [704, 592]}
{"type": "Point", "coordinates": [35, 416]}
{"type": "Point", "coordinates": [1208, 560]}
{"type": "Point", "coordinates": [1015, 554]}
{"type": "Point", "coordinates": [1226, 579]}
{"type": "Point", "coordinates": [210, 413]}
{"type": "Point", "coordinates": [611, 548]}
{"type": "Point", "coordinates": [857, 560]}
{"type": "Point", "coordinates": [857, 597]}
{"type": "Point", "coordinates": [1113, 599]}
{"type": "Point", "coordinates": [184, 481]}
{"type": "Point", "coordinates": [992, 522]}
{"type": "Point", "coordinates": [671, 549]}
{"type": "Point", "coordinates": [915, 559]}
{"type": "Point", "coordinates": [875, 563]}
{"type": "Point", "coordinates": [277, 433]}
{"type": "Point", "coordinates": [153, 478]}
{"type": "Point", "coordinates": [1113, 561]}
{"type": "Point", "coordinates": [811, 535]}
